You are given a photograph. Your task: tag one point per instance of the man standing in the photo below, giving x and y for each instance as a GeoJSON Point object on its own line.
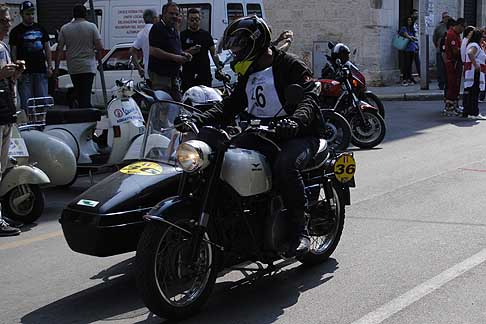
{"type": "Point", "coordinates": [8, 73]}
{"type": "Point", "coordinates": [142, 43]}
{"type": "Point", "coordinates": [416, 58]}
{"type": "Point", "coordinates": [81, 38]}
{"type": "Point", "coordinates": [453, 65]}
{"type": "Point", "coordinates": [29, 41]}
{"type": "Point", "coordinates": [439, 33]}
{"type": "Point", "coordinates": [166, 55]}
{"type": "Point", "coordinates": [197, 42]}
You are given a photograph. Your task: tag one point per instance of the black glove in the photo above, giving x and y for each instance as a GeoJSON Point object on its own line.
{"type": "Point", "coordinates": [181, 123]}
{"type": "Point", "coordinates": [286, 128]}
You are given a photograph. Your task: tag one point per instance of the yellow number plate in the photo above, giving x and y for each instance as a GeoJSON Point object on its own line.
{"type": "Point", "coordinates": [345, 167]}
{"type": "Point", "coordinates": [143, 168]}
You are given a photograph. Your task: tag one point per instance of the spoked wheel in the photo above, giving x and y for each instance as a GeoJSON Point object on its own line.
{"type": "Point", "coordinates": [325, 228]}
{"type": "Point", "coordinates": [337, 131]}
{"type": "Point", "coordinates": [171, 283]}
{"type": "Point", "coordinates": [24, 203]}
{"type": "Point", "coordinates": [369, 132]}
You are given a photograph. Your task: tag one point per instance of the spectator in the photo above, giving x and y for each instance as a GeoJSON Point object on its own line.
{"type": "Point", "coordinates": [467, 36]}
{"type": "Point", "coordinates": [416, 58]}
{"type": "Point", "coordinates": [8, 73]}
{"type": "Point", "coordinates": [474, 68]}
{"type": "Point", "coordinates": [482, 95]}
{"type": "Point", "coordinates": [29, 41]}
{"type": "Point", "coordinates": [142, 43]}
{"type": "Point", "coordinates": [408, 31]}
{"type": "Point", "coordinates": [453, 65]}
{"type": "Point", "coordinates": [166, 55]}
{"type": "Point", "coordinates": [81, 38]}
{"type": "Point", "coordinates": [439, 34]}
{"type": "Point", "coordinates": [197, 42]}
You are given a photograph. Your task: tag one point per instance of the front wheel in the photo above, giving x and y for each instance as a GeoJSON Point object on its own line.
{"type": "Point", "coordinates": [373, 100]}
{"type": "Point", "coordinates": [369, 131]}
{"type": "Point", "coordinates": [325, 228]}
{"type": "Point", "coordinates": [337, 131]}
{"type": "Point", "coordinates": [24, 203]}
{"type": "Point", "coordinates": [171, 284]}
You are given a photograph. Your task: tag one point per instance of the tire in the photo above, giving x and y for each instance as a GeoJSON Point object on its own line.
{"type": "Point", "coordinates": [337, 131]}
{"type": "Point", "coordinates": [321, 251]}
{"type": "Point", "coordinates": [28, 211]}
{"type": "Point", "coordinates": [373, 100]}
{"type": "Point", "coordinates": [372, 133]}
{"type": "Point", "coordinates": [147, 265]}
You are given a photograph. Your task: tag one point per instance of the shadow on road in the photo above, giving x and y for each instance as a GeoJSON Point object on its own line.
{"type": "Point", "coordinates": [116, 298]}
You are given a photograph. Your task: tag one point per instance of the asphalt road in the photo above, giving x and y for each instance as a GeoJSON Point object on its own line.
{"type": "Point", "coordinates": [413, 249]}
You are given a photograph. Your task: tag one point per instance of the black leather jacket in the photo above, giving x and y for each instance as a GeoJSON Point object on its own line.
{"type": "Point", "coordinates": [287, 70]}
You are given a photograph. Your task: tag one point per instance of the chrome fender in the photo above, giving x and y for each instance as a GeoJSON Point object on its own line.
{"type": "Point", "coordinates": [52, 155]}
{"type": "Point", "coordinates": [19, 175]}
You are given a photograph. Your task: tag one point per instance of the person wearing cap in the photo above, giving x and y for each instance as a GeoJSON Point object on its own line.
{"type": "Point", "coordinates": [29, 42]}
{"type": "Point", "coordinates": [82, 41]}
{"type": "Point", "coordinates": [453, 65]}
{"type": "Point", "coordinates": [439, 33]}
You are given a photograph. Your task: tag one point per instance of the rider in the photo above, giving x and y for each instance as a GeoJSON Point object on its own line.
{"type": "Point", "coordinates": [264, 73]}
{"type": "Point", "coordinates": [339, 51]}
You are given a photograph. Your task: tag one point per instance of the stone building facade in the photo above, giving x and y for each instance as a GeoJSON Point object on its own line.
{"type": "Point", "coordinates": [365, 25]}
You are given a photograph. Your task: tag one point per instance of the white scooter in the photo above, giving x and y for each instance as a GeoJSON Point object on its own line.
{"type": "Point", "coordinates": [78, 128]}
{"type": "Point", "coordinates": [22, 198]}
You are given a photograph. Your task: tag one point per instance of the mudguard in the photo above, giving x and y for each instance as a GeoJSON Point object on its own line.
{"type": "Point", "coordinates": [19, 175]}
{"type": "Point", "coordinates": [171, 208]}
{"type": "Point", "coordinates": [343, 190]}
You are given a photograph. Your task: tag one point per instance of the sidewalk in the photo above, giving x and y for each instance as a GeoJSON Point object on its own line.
{"type": "Point", "coordinates": [412, 92]}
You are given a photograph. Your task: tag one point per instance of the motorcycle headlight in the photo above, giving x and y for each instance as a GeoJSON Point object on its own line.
{"type": "Point", "coordinates": [193, 155]}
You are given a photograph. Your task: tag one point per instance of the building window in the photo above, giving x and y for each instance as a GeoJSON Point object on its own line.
{"type": "Point", "coordinates": [254, 9]}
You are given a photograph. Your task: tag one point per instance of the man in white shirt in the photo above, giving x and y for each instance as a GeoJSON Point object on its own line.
{"type": "Point", "coordinates": [142, 43]}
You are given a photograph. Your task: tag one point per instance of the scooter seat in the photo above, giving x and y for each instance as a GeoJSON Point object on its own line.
{"type": "Point", "coordinates": [72, 116]}
{"type": "Point", "coordinates": [319, 157]}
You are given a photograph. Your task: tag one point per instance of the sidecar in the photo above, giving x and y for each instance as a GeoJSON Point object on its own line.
{"type": "Point", "coordinates": [107, 219]}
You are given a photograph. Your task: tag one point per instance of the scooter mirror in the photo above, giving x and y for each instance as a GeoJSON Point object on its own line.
{"type": "Point", "coordinates": [355, 50]}
{"type": "Point", "coordinates": [293, 94]}
{"type": "Point", "coordinates": [338, 61]}
{"type": "Point", "coordinates": [331, 45]}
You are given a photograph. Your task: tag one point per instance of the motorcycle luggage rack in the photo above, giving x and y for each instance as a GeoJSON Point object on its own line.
{"type": "Point", "coordinates": [36, 110]}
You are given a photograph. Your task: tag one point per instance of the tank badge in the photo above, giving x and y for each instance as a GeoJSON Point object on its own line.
{"type": "Point", "coordinates": [143, 168]}
{"type": "Point", "coordinates": [88, 203]}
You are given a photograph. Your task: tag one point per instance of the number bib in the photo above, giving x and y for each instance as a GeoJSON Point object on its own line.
{"type": "Point", "coordinates": [263, 101]}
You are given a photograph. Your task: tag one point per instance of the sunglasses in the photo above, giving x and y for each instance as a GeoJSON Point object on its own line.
{"type": "Point", "coordinates": [195, 19]}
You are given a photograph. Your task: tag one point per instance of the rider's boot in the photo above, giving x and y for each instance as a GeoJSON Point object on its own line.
{"type": "Point", "coordinates": [449, 109]}
{"type": "Point", "coordinates": [300, 242]}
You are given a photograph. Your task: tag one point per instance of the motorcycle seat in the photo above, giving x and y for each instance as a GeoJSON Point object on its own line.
{"type": "Point", "coordinates": [72, 116]}
{"type": "Point", "coordinates": [320, 157]}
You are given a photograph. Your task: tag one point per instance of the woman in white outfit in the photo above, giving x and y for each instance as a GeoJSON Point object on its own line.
{"type": "Point", "coordinates": [465, 41]}
{"type": "Point", "coordinates": [474, 75]}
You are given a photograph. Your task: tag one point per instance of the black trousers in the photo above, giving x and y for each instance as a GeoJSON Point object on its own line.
{"type": "Point", "coordinates": [287, 165]}
{"type": "Point", "coordinates": [471, 98]}
{"type": "Point", "coordinates": [190, 80]}
{"type": "Point", "coordinates": [83, 82]}
{"type": "Point", "coordinates": [408, 58]}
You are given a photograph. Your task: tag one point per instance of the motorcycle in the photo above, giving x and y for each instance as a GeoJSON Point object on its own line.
{"type": "Point", "coordinates": [368, 127]}
{"type": "Point", "coordinates": [119, 131]}
{"type": "Point", "coordinates": [20, 187]}
{"type": "Point", "coordinates": [358, 81]}
{"type": "Point", "coordinates": [227, 213]}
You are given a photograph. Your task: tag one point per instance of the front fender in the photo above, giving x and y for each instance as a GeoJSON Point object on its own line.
{"type": "Point", "coordinates": [19, 175]}
{"type": "Point", "coordinates": [174, 207]}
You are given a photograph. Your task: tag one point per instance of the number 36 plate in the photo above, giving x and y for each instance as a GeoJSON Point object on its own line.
{"type": "Point", "coordinates": [345, 167]}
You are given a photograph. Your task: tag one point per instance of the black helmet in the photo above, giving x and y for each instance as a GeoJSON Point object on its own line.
{"type": "Point", "coordinates": [340, 51]}
{"type": "Point", "coordinates": [247, 38]}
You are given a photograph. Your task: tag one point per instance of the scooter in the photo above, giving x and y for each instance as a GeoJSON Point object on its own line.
{"type": "Point", "coordinates": [20, 188]}
{"type": "Point", "coordinates": [96, 139]}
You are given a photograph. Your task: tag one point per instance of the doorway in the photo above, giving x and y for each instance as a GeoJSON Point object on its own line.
{"type": "Point", "coordinates": [470, 12]}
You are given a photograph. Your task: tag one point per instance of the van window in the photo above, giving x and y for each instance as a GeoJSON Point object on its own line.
{"type": "Point", "coordinates": [204, 9]}
{"type": "Point", "coordinates": [235, 11]}
{"type": "Point", "coordinates": [118, 60]}
{"type": "Point", "coordinates": [254, 9]}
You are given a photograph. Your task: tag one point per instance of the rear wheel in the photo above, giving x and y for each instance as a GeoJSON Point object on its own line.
{"type": "Point", "coordinates": [325, 228]}
{"type": "Point", "coordinates": [170, 283]}
{"type": "Point", "coordinates": [337, 131]}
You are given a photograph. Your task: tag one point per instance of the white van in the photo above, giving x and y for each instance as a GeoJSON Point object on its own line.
{"type": "Point", "coordinates": [120, 21]}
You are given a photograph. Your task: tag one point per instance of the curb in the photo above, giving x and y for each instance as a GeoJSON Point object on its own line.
{"type": "Point", "coordinates": [411, 96]}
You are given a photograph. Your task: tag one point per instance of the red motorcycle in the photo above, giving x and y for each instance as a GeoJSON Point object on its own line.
{"type": "Point", "coordinates": [368, 127]}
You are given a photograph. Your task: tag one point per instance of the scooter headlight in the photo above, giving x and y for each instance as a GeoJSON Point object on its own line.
{"type": "Point", "coordinates": [193, 155]}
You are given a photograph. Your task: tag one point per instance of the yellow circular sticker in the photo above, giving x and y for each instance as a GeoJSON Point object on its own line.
{"type": "Point", "coordinates": [345, 167]}
{"type": "Point", "coordinates": [143, 168]}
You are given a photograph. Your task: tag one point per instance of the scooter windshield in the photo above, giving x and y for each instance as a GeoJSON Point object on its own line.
{"type": "Point", "coordinates": [161, 139]}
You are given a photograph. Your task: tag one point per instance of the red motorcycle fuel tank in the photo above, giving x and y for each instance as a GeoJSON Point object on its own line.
{"type": "Point", "coordinates": [330, 88]}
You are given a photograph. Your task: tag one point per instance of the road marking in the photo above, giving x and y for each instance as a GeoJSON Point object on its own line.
{"type": "Point", "coordinates": [20, 243]}
{"type": "Point", "coordinates": [473, 170]}
{"type": "Point", "coordinates": [398, 304]}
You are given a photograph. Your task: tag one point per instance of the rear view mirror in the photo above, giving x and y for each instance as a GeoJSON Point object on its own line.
{"type": "Point", "coordinates": [331, 45]}
{"type": "Point", "coordinates": [294, 93]}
